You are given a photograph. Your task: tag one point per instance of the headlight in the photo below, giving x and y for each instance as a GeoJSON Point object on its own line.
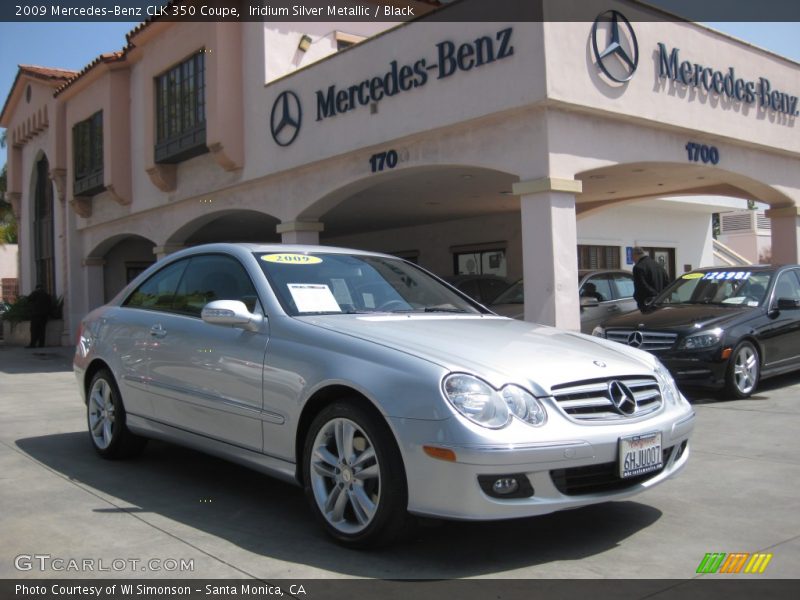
{"type": "Point", "coordinates": [669, 389]}
{"type": "Point", "coordinates": [599, 332]}
{"type": "Point", "coordinates": [702, 339]}
{"type": "Point", "coordinates": [524, 406]}
{"type": "Point", "coordinates": [482, 404]}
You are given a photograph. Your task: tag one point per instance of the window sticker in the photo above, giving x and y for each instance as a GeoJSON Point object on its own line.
{"type": "Point", "coordinates": [341, 292]}
{"type": "Point", "coordinates": [292, 259]}
{"type": "Point", "coordinates": [735, 275]}
{"type": "Point", "coordinates": [313, 297]}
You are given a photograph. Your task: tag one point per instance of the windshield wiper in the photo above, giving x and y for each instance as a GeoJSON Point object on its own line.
{"type": "Point", "coordinates": [430, 309]}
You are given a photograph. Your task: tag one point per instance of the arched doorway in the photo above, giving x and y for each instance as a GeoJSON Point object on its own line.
{"type": "Point", "coordinates": [446, 218]}
{"type": "Point", "coordinates": [227, 226]}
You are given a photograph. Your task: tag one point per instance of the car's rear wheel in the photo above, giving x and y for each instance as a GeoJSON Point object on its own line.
{"type": "Point", "coordinates": [106, 418]}
{"type": "Point", "coordinates": [354, 477]}
{"type": "Point", "coordinates": [744, 370]}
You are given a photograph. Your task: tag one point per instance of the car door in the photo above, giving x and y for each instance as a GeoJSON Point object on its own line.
{"type": "Point", "coordinates": [130, 329]}
{"type": "Point", "coordinates": [596, 287]}
{"type": "Point", "coordinates": [208, 378]}
{"type": "Point", "coordinates": [782, 336]}
{"type": "Point", "coordinates": [623, 293]}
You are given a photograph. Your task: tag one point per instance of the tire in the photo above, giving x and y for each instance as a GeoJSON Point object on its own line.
{"type": "Point", "coordinates": [744, 370]}
{"type": "Point", "coordinates": [359, 495]}
{"type": "Point", "coordinates": [105, 417]}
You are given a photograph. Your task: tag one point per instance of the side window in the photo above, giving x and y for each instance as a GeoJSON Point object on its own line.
{"type": "Point", "coordinates": [787, 286]}
{"type": "Point", "coordinates": [158, 291]}
{"type": "Point", "coordinates": [598, 287]}
{"type": "Point", "coordinates": [624, 285]}
{"type": "Point", "coordinates": [213, 277]}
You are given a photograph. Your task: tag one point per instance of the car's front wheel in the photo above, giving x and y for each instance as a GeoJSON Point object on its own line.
{"type": "Point", "coordinates": [354, 477]}
{"type": "Point", "coordinates": [105, 415]}
{"type": "Point", "coordinates": [744, 369]}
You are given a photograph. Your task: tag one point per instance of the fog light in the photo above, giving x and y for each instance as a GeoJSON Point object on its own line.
{"type": "Point", "coordinates": [505, 486]}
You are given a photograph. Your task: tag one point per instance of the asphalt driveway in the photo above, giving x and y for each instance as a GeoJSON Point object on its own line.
{"type": "Point", "coordinates": [173, 507]}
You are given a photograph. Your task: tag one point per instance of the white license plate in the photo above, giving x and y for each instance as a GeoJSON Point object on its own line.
{"type": "Point", "coordinates": [640, 454]}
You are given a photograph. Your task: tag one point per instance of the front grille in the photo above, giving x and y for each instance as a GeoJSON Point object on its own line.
{"type": "Point", "coordinates": [594, 479]}
{"type": "Point", "coordinates": [590, 400]}
{"type": "Point", "coordinates": [646, 340]}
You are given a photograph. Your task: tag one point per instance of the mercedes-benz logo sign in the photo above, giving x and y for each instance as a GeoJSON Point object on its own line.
{"type": "Point", "coordinates": [620, 55]}
{"type": "Point", "coordinates": [286, 118]}
{"type": "Point", "coordinates": [622, 397]}
{"type": "Point", "coordinates": [635, 339]}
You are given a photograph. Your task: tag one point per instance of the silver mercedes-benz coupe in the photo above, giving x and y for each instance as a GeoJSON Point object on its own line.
{"type": "Point", "coordinates": [381, 390]}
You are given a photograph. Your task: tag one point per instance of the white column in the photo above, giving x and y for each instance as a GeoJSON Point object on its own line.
{"type": "Point", "coordinates": [300, 232]}
{"type": "Point", "coordinates": [549, 251]}
{"type": "Point", "coordinates": [785, 224]}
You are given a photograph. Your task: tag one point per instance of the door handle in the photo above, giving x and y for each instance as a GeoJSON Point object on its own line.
{"type": "Point", "coordinates": [157, 331]}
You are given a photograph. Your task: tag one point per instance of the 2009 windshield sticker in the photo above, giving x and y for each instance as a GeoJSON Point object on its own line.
{"type": "Point", "coordinates": [692, 276]}
{"type": "Point", "coordinates": [717, 275]}
{"type": "Point", "coordinates": [292, 259]}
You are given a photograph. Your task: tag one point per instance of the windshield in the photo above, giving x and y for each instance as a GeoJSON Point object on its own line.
{"type": "Point", "coordinates": [513, 295]}
{"type": "Point", "coordinates": [724, 288]}
{"type": "Point", "coordinates": [322, 283]}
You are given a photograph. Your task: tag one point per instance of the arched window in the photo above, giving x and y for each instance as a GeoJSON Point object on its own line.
{"type": "Point", "coordinates": [44, 259]}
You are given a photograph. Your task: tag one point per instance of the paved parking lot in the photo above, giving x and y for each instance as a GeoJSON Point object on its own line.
{"type": "Point", "coordinates": [57, 498]}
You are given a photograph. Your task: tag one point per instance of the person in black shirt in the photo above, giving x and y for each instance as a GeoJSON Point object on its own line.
{"type": "Point", "coordinates": [41, 304]}
{"type": "Point", "coordinates": [649, 278]}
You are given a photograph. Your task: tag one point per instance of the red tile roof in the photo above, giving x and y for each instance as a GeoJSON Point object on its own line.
{"type": "Point", "coordinates": [108, 57]}
{"type": "Point", "coordinates": [47, 73]}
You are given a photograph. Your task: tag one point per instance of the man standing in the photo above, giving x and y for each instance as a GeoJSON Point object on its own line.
{"type": "Point", "coordinates": [649, 278]}
{"type": "Point", "coordinates": [41, 304]}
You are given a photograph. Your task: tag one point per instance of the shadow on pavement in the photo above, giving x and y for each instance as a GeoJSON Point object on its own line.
{"type": "Point", "coordinates": [271, 518]}
{"type": "Point", "coordinates": [16, 359]}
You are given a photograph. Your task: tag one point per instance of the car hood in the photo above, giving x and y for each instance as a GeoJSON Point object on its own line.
{"type": "Point", "coordinates": [680, 318]}
{"type": "Point", "coordinates": [498, 349]}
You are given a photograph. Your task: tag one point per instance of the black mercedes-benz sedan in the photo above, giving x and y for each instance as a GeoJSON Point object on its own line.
{"type": "Point", "coordinates": [722, 327]}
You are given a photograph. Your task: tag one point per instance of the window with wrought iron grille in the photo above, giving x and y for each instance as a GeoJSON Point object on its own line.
{"type": "Point", "coordinates": [181, 111]}
{"type": "Point", "coordinates": [598, 257]}
{"type": "Point", "coordinates": [87, 155]}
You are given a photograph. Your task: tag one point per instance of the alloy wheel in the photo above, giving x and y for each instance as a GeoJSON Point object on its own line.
{"type": "Point", "coordinates": [345, 475]}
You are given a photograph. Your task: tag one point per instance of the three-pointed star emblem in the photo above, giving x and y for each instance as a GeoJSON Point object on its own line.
{"type": "Point", "coordinates": [286, 118]}
{"type": "Point", "coordinates": [624, 53]}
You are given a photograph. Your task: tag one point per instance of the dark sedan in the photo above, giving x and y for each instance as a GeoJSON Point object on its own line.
{"type": "Point", "coordinates": [722, 328]}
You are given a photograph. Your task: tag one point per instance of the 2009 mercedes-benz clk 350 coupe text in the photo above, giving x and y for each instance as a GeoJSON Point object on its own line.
{"type": "Point", "coordinates": [382, 391]}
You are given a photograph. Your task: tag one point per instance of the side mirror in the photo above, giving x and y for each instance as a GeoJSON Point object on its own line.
{"type": "Point", "coordinates": [788, 304]}
{"type": "Point", "coordinates": [231, 313]}
{"type": "Point", "coordinates": [589, 302]}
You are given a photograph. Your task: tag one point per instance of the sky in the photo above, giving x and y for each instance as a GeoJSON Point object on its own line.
{"type": "Point", "coordinates": [74, 45]}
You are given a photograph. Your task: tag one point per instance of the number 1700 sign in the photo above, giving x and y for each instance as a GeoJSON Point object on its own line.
{"type": "Point", "coordinates": [702, 153]}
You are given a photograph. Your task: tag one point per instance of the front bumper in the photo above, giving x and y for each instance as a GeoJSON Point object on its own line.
{"type": "Point", "coordinates": [579, 471]}
{"type": "Point", "coordinates": [696, 368]}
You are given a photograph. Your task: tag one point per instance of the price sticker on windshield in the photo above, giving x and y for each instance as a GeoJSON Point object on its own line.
{"type": "Point", "coordinates": [719, 275]}
{"type": "Point", "coordinates": [292, 259]}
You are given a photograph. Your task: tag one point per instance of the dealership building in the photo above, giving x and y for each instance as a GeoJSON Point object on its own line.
{"type": "Point", "coordinates": [524, 149]}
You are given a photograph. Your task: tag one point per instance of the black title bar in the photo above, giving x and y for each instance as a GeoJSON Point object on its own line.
{"type": "Point", "coordinates": [394, 10]}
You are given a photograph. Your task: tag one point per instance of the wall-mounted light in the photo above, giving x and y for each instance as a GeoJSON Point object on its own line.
{"type": "Point", "coordinates": [305, 43]}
